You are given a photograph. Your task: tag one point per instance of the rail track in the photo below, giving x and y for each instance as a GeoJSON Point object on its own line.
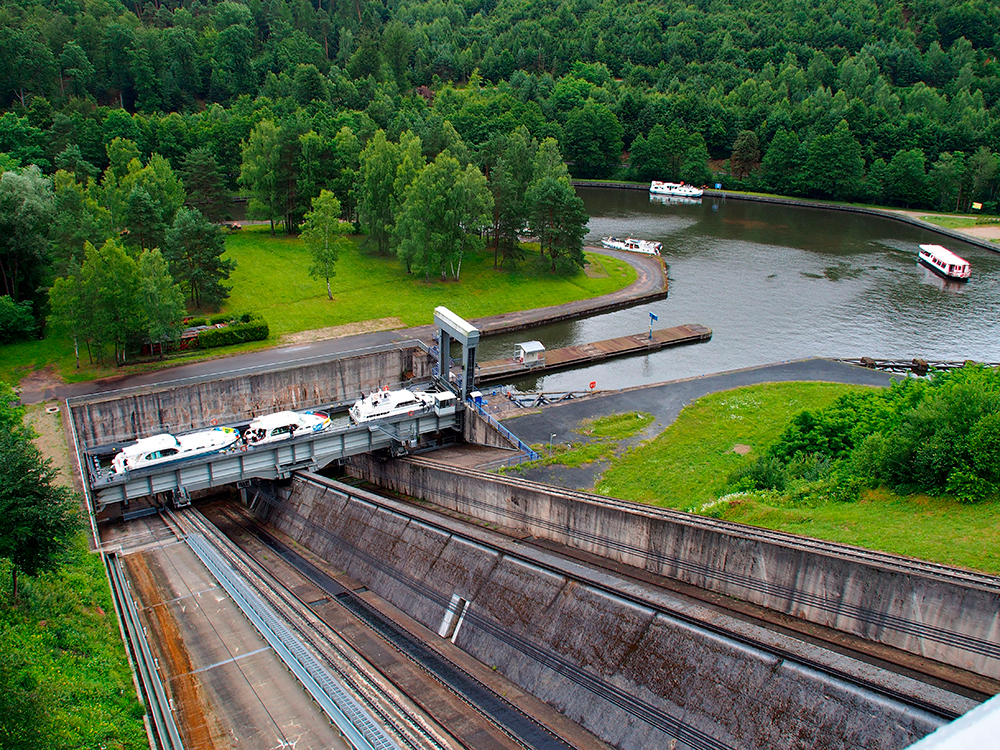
{"type": "Point", "coordinates": [640, 709]}
{"type": "Point", "coordinates": [522, 729]}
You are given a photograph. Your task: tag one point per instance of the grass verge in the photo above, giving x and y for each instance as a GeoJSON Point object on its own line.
{"type": "Point", "coordinates": [272, 278]}
{"type": "Point", "coordinates": [686, 466]}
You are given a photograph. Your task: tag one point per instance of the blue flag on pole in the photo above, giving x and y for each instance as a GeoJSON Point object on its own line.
{"type": "Point", "coordinates": [654, 316]}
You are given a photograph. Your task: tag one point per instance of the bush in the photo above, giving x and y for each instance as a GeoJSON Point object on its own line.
{"type": "Point", "coordinates": [254, 328]}
{"type": "Point", "coordinates": [221, 318]}
{"type": "Point", "coordinates": [16, 321]}
{"type": "Point", "coordinates": [766, 473]}
{"type": "Point", "coordinates": [192, 322]}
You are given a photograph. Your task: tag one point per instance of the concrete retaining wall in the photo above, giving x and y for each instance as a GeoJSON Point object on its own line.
{"type": "Point", "coordinates": [941, 616]}
{"type": "Point", "coordinates": [123, 416]}
{"type": "Point", "coordinates": [553, 636]}
{"type": "Point", "coordinates": [477, 430]}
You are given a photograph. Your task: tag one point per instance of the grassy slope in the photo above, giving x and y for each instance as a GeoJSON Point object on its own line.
{"type": "Point", "coordinates": [272, 277]}
{"type": "Point", "coordinates": [73, 686]}
{"type": "Point", "coordinates": [686, 466]}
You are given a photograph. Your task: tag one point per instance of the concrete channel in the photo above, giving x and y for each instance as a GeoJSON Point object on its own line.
{"type": "Point", "coordinates": [567, 603]}
{"type": "Point", "coordinates": [635, 665]}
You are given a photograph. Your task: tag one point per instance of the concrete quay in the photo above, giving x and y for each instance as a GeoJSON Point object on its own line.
{"type": "Point", "coordinates": [493, 371]}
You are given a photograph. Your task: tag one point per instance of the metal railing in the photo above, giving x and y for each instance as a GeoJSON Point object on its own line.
{"type": "Point", "coordinates": [514, 439]}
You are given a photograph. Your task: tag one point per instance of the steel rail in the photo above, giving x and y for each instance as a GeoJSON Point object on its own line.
{"type": "Point", "coordinates": [166, 734]}
{"type": "Point", "coordinates": [341, 708]}
{"type": "Point", "coordinates": [523, 729]}
{"type": "Point", "coordinates": [264, 583]}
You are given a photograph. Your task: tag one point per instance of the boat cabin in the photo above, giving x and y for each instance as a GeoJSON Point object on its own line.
{"type": "Point", "coordinates": [530, 353]}
{"type": "Point", "coordinates": [945, 262]}
{"type": "Point", "coordinates": [284, 425]}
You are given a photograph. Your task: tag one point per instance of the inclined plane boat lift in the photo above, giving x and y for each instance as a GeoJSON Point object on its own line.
{"type": "Point", "coordinates": [174, 481]}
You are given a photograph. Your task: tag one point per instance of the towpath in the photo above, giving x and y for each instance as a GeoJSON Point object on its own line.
{"type": "Point", "coordinates": [651, 283]}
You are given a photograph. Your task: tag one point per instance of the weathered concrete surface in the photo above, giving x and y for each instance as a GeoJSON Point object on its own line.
{"type": "Point", "coordinates": [477, 430]}
{"type": "Point", "coordinates": [122, 416]}
{"type": "Point", "coordinates": [936, 612]}
{"type": "Point", "coordinates": [578, 646]}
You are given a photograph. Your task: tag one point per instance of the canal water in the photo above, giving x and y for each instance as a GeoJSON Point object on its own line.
{"type": "Point", "coordinates": [776, 283]}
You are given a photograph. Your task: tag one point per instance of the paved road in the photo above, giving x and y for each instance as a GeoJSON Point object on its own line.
{"type": "Point", "coordinates": [664, 401]}
{"type": "Point", "coordinates": [651, 280]}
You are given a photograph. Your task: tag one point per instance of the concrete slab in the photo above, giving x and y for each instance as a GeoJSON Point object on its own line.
{"type": "Point", "coordinates": [226, 686]}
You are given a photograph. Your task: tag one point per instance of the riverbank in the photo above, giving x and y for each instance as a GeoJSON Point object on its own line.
{"type": "Point", "coordinates": [987, 236]}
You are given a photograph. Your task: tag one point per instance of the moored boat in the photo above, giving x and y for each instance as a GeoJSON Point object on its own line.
{"type": "Point", "coordinates": [158, 449]}
{"type": "Point", "coordinates": [677, 189]}
{"type": "Point", "coordinates": [632, 245]}
{"type": "Point", "coordinates": [945, 262]}
{"type": "Point", "coordinates": [385, 403]}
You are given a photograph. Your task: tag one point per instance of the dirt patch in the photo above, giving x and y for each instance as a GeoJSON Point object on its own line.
{"type": "Point", "coordinates": [741, 449]}
{"type": "Point", "coordinates": [336, 332]}
{"type": "Point", "coordinates": [51, 440]}
{"type": "Point", "coordinates": [41, 384]}
{"type": "Point", "coordinates": [595, 271]}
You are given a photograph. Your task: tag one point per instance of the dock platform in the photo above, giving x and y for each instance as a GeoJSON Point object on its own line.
{"type": "Point", "coordinates": [495, 370]}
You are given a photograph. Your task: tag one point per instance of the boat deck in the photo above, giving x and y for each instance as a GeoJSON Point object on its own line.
{"type": "Point", "coordinates": [572, 356]}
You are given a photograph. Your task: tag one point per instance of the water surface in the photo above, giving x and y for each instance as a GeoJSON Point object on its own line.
{"type": "Point", "coordinates": [777, 283]}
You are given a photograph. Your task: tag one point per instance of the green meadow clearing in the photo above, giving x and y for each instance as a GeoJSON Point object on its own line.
{"type": "Point", "coordinates": [686, 467]}
{"type": "Point", "coordinates": [272, 278]}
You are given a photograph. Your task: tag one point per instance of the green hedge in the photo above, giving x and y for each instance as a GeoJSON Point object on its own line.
{"type": "Point", "coordinates": [252, 328]}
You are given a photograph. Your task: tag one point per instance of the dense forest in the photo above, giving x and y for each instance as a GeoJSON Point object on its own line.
{"type": "Point", "coordinates": [130, 111]}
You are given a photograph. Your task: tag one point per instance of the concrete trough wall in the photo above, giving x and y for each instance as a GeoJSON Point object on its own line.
{"type": "Point", "coordinates": [125, 416]}
{"type": "Point", "coordinates": [940, 616]}
{"type": "Point", "coordinates": [608, 663]}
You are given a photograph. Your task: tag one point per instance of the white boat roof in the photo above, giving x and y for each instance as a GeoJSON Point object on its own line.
{"type": "Point", "coordinates": [151, 443]}
{"type": "Point", "coordinates": [945, 255]}
{"type": "Point", "coordinates": [278, 419]}
{"type": "Point", "coordinates": [530, 347]}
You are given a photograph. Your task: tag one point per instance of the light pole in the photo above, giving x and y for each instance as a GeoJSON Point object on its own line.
{"type": "Point", "coordinates": [551, 438]}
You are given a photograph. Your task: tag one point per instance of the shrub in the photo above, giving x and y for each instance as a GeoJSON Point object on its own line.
{"type": "Point", "coordinates": [220, 318]}
{"type": "Point", "coordinates": [766, 473]}
{"type": "Point", "coordinates": [192, 322]}
{"type": "Point", "coordinates": [16, 321]}
{"type": "Point", "coordinates": [253, 329]}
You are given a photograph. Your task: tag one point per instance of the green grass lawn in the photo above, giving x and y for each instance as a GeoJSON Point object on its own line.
{"type": "Point", "coordinates": [950, 222]}
{"type": "Point", "coordinates": [272, 277]}
{"type": "Point", "coordinates": [686, 466]}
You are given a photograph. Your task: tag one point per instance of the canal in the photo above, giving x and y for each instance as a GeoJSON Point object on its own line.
{"type": "Point", "coordinates": [777, 283]}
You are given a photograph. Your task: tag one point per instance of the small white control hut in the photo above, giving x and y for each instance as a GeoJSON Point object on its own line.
{"type": "Point", "coordinates": [530, 353]}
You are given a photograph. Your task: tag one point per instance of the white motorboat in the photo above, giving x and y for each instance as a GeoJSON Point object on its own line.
{"type": "Point", "coordinates": [945, 262]}
{"type": "Point", "coordinates": [632, 245]}
{"type": "Point", "coordinates": [676, 189]}
{"type": "Point", "coordinates": [159, 449]}
{"type": "Point", "coordinates": [385, 404]}
{"type": "Point", "coordinates": [283, 425]}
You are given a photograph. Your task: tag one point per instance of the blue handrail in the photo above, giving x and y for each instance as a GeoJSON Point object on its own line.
{"type": "Point", "coordinates": [532, 456]}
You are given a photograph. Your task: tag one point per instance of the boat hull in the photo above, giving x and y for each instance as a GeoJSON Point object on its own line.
{"type": "Point", "coordinates": [926, 263]}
